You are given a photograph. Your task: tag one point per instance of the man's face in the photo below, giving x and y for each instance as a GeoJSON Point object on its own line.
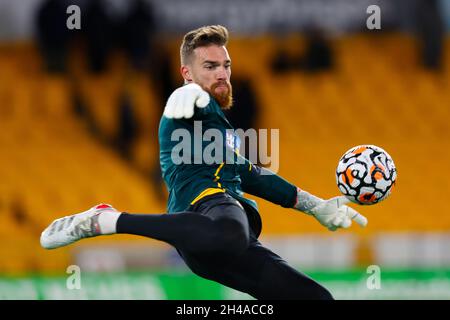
{"type": "Point", "coordinates": [210, 67]}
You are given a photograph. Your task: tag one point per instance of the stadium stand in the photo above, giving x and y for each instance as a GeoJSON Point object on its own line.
{"type": "Point", "coordinates": [51, 164]}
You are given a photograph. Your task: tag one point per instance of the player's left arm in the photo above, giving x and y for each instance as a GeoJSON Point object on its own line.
{"type": "Point", "coordinates": [263, 183]}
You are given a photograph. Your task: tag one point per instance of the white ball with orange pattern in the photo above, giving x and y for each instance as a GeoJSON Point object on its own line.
{"type": "Point", "coordinates": [366, 174]}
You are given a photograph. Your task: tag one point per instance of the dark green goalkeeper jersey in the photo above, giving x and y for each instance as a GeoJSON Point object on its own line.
{"type": "Point", "coordinates": [200, 157]}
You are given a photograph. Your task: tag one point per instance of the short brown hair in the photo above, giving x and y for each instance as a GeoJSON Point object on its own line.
{"type": "Point", "coordinates": [201, 37]}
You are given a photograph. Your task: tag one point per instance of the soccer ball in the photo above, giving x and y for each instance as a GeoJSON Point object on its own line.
{"type": "Point", "coordinates": [366, 174]}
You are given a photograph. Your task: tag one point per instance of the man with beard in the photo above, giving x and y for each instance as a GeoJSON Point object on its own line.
{"type": "Point", "coordinates": [212, 225]}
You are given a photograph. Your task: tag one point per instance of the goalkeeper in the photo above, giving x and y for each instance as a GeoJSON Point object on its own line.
{"type": "Point", "coordinates": [212, 226]}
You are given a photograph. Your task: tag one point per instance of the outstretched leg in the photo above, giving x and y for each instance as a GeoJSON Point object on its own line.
{"type": "Point", "coordinates": [224, 229]}
{"type": "Point", "coordinates": [219, 225]}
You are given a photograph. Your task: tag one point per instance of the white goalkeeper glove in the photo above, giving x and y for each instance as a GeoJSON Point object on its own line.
{"type": "Point", "coordinates": [331, 213]}
{"type": "Point", "coordinates": [182, 101]}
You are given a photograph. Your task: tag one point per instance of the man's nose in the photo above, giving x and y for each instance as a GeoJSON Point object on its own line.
{"type": "Point", "coordinates": [222, 74]}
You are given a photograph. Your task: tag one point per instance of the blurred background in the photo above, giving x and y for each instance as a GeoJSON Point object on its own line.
{"type": "Point", "coordinates": [79, 112]}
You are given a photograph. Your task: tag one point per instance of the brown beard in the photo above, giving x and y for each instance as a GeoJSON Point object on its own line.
{"type": "Point", "coordinates": [225, 100]}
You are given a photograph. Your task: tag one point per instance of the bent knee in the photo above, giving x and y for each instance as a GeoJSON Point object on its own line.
{"type": "Point", "coordinates": [232, 236]}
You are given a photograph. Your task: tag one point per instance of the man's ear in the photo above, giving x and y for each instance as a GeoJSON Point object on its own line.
{"type": "Point", "coordinates": [186, 73]}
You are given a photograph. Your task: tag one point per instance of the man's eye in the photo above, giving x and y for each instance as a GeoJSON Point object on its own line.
{"type": "Point", "coordinates": [209, 67]}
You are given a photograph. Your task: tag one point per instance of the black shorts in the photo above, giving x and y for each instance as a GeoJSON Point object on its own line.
{"type": "Point", "coordinates": [204, 205]}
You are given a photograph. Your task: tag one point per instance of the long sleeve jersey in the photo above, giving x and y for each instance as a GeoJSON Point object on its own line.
{"type": "Point", "coordinates": [200, 156]}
